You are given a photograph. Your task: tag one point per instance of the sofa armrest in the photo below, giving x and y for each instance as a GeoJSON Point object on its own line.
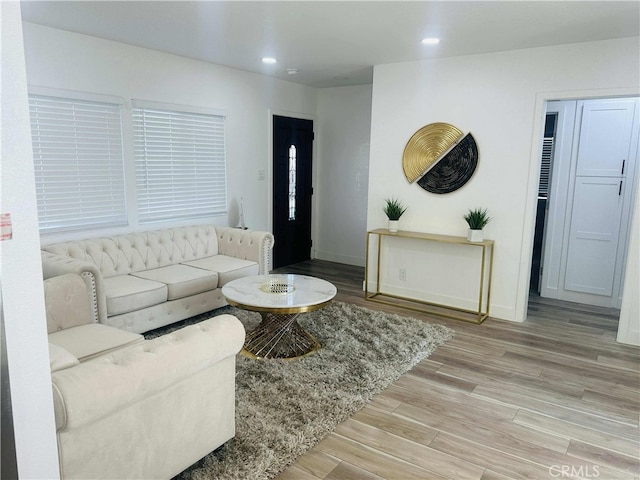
{"type": "Point", "coordinates": [246, 244]}
{"type": "Point", "coordinates": [60, 358]}
{"type": "Point", "coordinates": [54, 265]}
{"type": "Point", "coordinates": [110, 383]}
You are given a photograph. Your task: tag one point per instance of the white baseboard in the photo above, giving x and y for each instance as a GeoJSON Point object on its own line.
{"type": "Point", "coordinates": [338, 258]}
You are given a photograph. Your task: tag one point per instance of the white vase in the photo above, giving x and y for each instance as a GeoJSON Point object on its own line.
{"type": "Point", "coordinates": [393, 225]}
{"type": "Point", "coordinates": [475, 235]}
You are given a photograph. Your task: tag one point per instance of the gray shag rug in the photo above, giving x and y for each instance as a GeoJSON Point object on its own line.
{"type": "Point", "coordinates": [285, 407]}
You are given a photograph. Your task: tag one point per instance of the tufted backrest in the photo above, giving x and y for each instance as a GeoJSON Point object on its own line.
{"type": "Point", "coordinates": [123, 254]}
{"type": "Point", "coordinates": [68, 302]}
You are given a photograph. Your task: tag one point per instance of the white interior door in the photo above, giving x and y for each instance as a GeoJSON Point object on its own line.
{"type": "Point", "coordinates": [558, 198]}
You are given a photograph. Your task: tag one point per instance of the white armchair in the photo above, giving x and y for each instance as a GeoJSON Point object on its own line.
{"type": "Point", "coordinates": [136, 408]}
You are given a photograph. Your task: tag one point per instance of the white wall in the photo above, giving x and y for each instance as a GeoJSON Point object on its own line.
{"type": "Point", "coordinates": [70, 61]}
{"type": "Point", "coordinates": [20, 269]}
{"type": "Point", "coordinates": [499, 98]}
{"type": "Point", "coordinates": [342, 174]}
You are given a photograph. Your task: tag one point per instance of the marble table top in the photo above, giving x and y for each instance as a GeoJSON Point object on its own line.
{"type": "Point", "coordinates": [286, 293]}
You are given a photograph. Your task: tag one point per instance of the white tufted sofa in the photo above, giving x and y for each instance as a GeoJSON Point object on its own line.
{"type": "Point", "coordinates": [126, 407]}
{"type": "Point", "coordinates": [145, 280]}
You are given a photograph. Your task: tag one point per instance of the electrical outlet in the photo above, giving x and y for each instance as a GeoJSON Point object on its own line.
{"type": "Point", "coordinates": [403, 274]}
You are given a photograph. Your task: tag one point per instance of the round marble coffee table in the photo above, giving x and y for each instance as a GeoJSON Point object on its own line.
{"type": "Point", "coordinates": [279, 299]}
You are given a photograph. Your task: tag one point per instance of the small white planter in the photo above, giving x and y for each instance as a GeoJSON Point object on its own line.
{"type": "Point", "coordinates": [475, 235]}
{"type": "Point", "coordinates": [393, 225]}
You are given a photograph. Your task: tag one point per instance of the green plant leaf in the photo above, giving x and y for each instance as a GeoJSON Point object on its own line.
{"type": "Point", "coordinates": [394, 208]}
{"type": "Point", "coordinates": [477, 218]}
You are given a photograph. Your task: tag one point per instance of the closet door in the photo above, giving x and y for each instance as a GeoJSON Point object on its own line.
{"type": "Point", "coordinates": [594, 235]}
{"type": "Point", "coordinates": [599, 200]}
{"type": "Point", "coordinates": [558, 199]}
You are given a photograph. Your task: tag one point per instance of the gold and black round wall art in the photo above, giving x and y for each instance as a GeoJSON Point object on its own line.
{"type": "Point", "coordinates": [440, 158]}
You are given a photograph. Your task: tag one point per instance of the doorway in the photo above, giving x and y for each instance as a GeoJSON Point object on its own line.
{"type": "Point", "coordinates": [585, 226]}
{"type": "Point", "coordinates": [292, 189]}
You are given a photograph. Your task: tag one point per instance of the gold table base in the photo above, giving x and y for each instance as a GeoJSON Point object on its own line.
{"type": "Point", "coordinates": [279, 335]}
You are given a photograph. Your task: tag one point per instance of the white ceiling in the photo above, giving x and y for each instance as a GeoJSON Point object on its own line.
{"type": "Point", "coordinates": [335, 43]}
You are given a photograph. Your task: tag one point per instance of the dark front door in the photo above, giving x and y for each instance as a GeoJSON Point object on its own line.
{"type": "Point", "coordinates": [292, 148]}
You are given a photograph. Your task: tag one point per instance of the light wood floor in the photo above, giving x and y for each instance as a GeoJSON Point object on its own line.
{"type": "Point", "coordinates": [553, 397]}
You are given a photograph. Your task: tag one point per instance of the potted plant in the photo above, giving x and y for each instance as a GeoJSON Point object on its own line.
{"type": "Point", "coordinates": [393, 209]}
{"type": "Point", "coordinates": [476, 219]}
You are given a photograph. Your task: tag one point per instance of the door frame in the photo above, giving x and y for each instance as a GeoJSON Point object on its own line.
{"type": "Point", "coordinates": [531, 199]}
{"type": "Point", "coordinates": [314, 168]}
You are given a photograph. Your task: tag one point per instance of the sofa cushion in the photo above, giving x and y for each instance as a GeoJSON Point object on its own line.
{"type": "Point", "coordinates": [89, 341]}
{"type": "Point", "coordinates": [59, 358]}
{"type": "Point", "coordinates": [126, 293]}
{"type": "Point", "coordinates": [228, 268]}
{"type": "Point", "coordinates": [182, 280]}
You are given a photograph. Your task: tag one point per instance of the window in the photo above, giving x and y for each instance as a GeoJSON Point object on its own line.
{"type": "Point", "coordinates": [548, 143]}
{"type": "Point", "coordinates": [78, 161]}
{"type": "Point", "coordinates": [180, 162]}
{"type": "Point", "coordinates": [292, 182]}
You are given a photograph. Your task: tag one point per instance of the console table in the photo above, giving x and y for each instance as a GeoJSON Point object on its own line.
{"type": "Point", "coordinates": [473, 316]}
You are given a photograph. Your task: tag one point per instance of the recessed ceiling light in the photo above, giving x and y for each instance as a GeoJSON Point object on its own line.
{"type": "Point", "coordinates": [430, 41]}
{"type": "Point", "coordinates": [292, 71]}
{"type": "Point", "coordinates": [269, 60]}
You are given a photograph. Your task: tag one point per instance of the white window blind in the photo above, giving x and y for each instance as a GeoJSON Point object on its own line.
{"type": "Point", "coordinates": [78, 160]}
{"type": "Point", "coordinates": [545, 167]}
{"type": "Point", "coordinates": [180, 163]}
